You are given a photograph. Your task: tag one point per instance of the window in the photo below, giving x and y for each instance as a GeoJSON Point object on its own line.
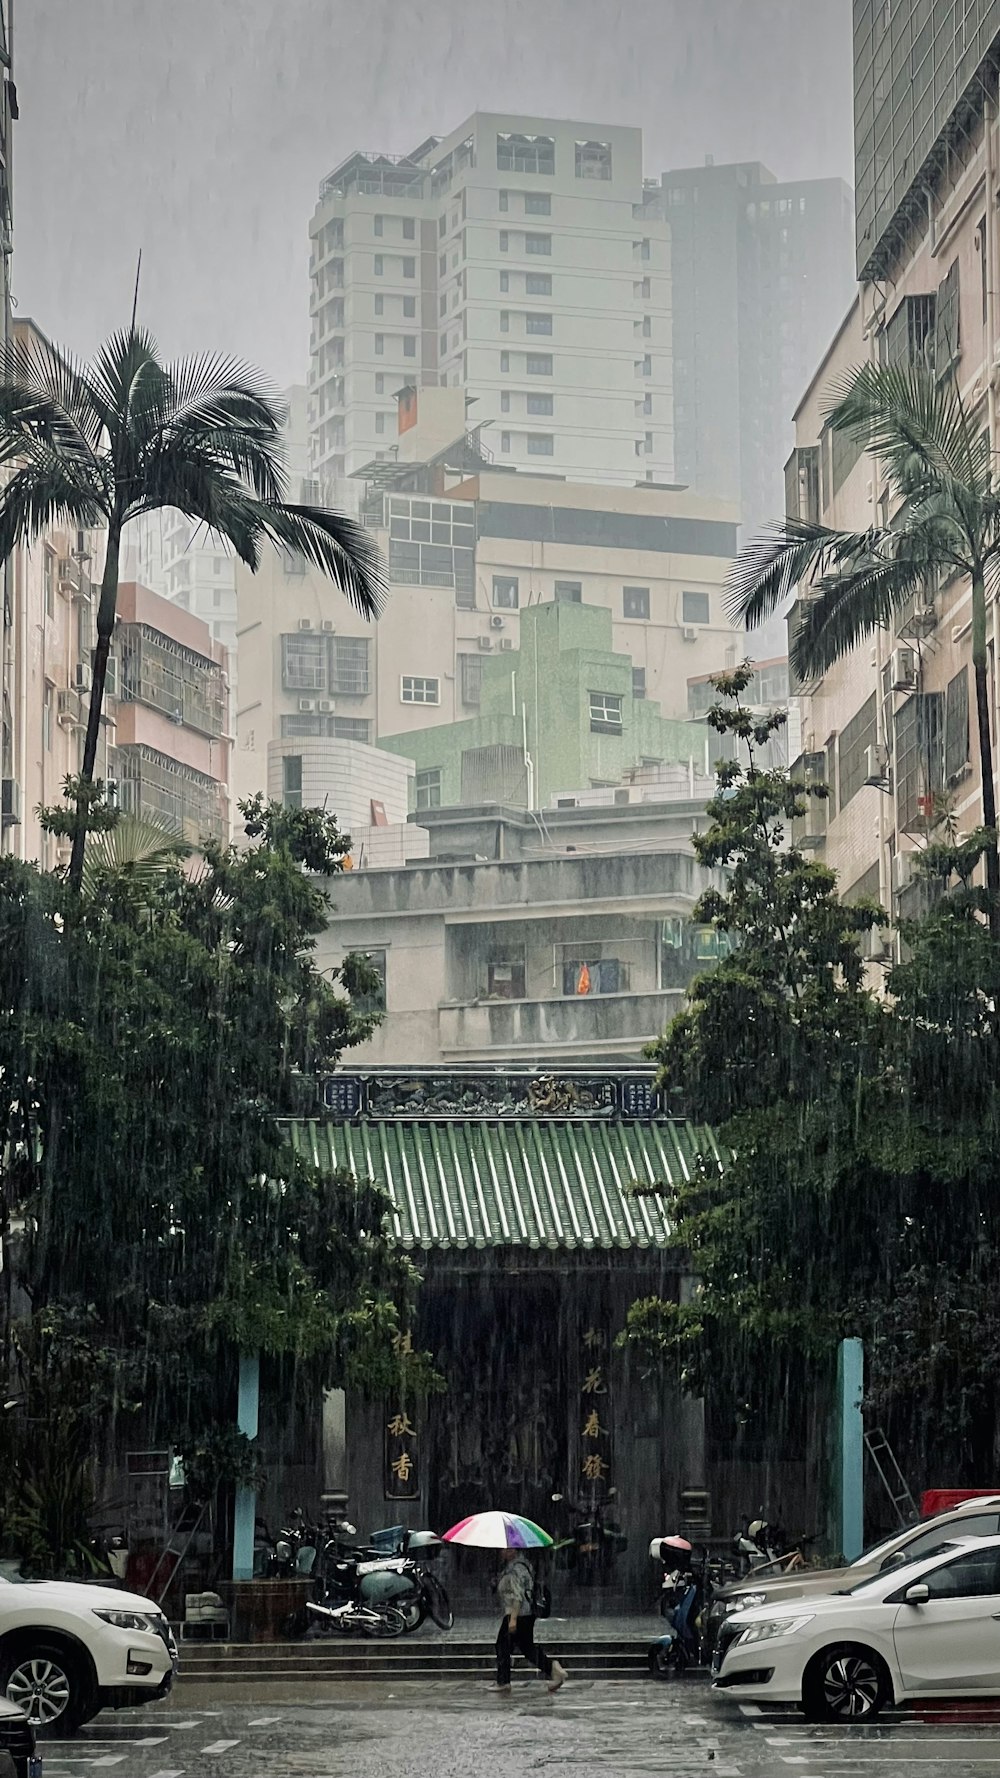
{"type": "Point", "coordinates": [648, 444]}
{"type": "Point", "coordinates": [647, 327]}
{"type": "Point", "coordinates": [291, 780]}
{"type": "Point", "coordinates": [380, 422]}
{"type": "Point", "coordinates": [293, 727]}
{"type": "Point", "coordinates": [541, 444]}
{"type": "Point", "coordinates": [505, 401]}
{"type": "Point", "coordinates": [569, 592]}
{"type": "Point", "coordinates": [504, 241]}
{"type": "Point", "coordinates": [538, 324]}
{"type": "Point", "coordinates": [696, 608]}
{"type": "Point", "coordinates": [956, 726]}
{"type": "Point", "coordinates": [47, 701]}
{"type": "Point", "coordinates": [505, 441]}
{"type": "Point", "coordinates": [919, 758]}
{"type": "Point", "coordinates": [49, 579]}
{"type": "Point", "coordinates": [409, 229]}
{"type": "Point", "coordinates": [442, 224]}
{"type": "Point", "coordinates": [504, 199]}
{"type": "Point", "coordinates": [595, 975]}
{"type": "Point", "coordinates": [304, 662]}
{"type": "Point", "coordinates": [351, 728]}
{"type": "Point", "coordinates": [443, 265]}
{"type": "Point", "coordinates": [537, 203]}
{"type": "Point", "coordinates": [409, 345]}
{"type": "Point", "coordinates": [539, 404]}
{"type": "Point", "coordinates": [538, 283]}
{"type": "Point", "coordinates": [409, 308]}
{"type": "Point", "coordinates": [379, 344]}
{"type": "Point", "coordinates": [419, 691]}
{"type": "Point", "coordinates": [379, 305]}
{"type": "Point", "coordinates": [644, 250]}
{"type": "Point", "coordinates": [471, 677]}
{"type": "Point", "coordinates": [504, 320]}
{"type": "Point", "coordinates": [947, 335]}
{"type": "Point", "coordinates": [504, 281]}
{"type": "Point", "coordinates": [505, 977]}
{"type": "Point", "coordinates": [975, 1525]}
{"type": "Point", "coordinates": [972, 1575]}
{"type": "Point", "coordinates": [593, 160]}
{"type": "Point", "coordinates": [427, 788]}
{"type": "Point", "coordinates": [349, 665]}
{"type": "Point", "coordinates": [375, 999]}
{"type": "Point", "coordinates": [443, 345]}
{"type": "Point", "coordinates": [539, 364]}
{"type": "Point", "coordinates": [605, 713]}
{"type": "Point", "coordinates": [635, 601]}
{"type": "Point", "coordinates": [377, 222]}
{"type": "Point", "coordinates": [379, 263]}
{"type": "Point", "coordinates": [380, 382]}
{"type": "Point", "coordinates": [855, 741]}
{"type": "Point", "coordinates": [505, 592]}
{"type": "Point", "coordinates": [647, 366]}
{"type": "Point", "coordinates": [538, 243]}
{"type": "Point", "coordinates": [505, 361]}
{"type": "Point", "coordinates": [638, 682]}
{"type": "Point", "coordinates": [409, 268]}
{"type": "Point", "coordinates": [525, 154]}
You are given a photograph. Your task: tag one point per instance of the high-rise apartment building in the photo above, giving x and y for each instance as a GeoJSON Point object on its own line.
{"type": "Point", "coordinates": [760, 274]}
{"type": "Point", "coordinates": [515, 259]}
{"type": "Point", "coordinates": [891, 728]}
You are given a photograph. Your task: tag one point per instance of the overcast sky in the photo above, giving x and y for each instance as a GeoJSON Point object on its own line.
{"type": "Point", "coordinates": [199, 130]}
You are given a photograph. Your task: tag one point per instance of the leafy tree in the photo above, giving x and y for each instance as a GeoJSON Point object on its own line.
{"type": "Point", "coordinates": [101, 444]}
{"type": "Point", "coordinates": [147, 1056]}
{"type": "Point", "coordinates": [945, 521]}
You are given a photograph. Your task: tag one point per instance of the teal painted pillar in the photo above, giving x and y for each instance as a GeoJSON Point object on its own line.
{"type": "Point", "coordinates": [850, 1448]}
{"type": "Point", "coordinates": [245, 1512]}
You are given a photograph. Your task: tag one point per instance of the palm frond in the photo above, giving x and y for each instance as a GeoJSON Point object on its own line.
{"type": "Point", "coordinates": [134, 849]}
{"type": "Point", "coordinates": [849, 606]}
{"type": "Point", "coordinates": [125, 358]}
{"type": "Point", "coordinates": [192, 480]}
{"type": "Point", "coordinates": [770, 567]}
{"type": "Point", "coordinates": [915, 423]}
{"type": "Point", "coordinates": [46, 390]}
{"type": "Point", "coordinates": [339, 547]}
{"type": "Point", "coordinates": [40, 494]}
{"type": "Point", "coordinates": [256, 458]}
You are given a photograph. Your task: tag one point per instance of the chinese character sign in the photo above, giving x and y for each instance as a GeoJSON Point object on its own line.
{"type": "Point", "coordinates": [595, 1413]}
{"type": "Point", "coordinates": [402, 1474]}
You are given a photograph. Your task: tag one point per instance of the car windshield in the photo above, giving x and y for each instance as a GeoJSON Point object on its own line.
{"type": "Point", "coordinates": [873, 1581]}
{"type": "Point", "coordinates": [884, 1548]}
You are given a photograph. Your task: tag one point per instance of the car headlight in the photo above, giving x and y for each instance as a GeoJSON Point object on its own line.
{"type": "Point", "coordinates": [779, 1626]}
{"type": "Point", "coordinates": [129, 1620]}
{"type": "Point", "coordinates": [746, 1602]}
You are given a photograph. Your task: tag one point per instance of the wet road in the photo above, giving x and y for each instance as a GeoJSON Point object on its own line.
{"type": "Point", "coordinates": [445, 1729]}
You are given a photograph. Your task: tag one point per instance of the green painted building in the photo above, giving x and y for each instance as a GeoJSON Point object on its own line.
{"type": "Point", "coordinates": [558, 714]}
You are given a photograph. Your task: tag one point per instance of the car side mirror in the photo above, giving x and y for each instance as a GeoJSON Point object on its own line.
{"type": "Point", "coordinates": [918, 1594]}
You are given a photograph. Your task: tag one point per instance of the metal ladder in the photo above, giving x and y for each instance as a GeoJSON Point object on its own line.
{"type": "Point", "coordinates": [893, 1480]}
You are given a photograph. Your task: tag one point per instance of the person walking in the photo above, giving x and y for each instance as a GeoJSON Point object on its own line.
{"type": "Point", "coordinates": [516, 1593]}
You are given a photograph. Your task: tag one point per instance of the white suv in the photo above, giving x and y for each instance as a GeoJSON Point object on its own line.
{"type": "Point", "coordinates": [68, 1650]}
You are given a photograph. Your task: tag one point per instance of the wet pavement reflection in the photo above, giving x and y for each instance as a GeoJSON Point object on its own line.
{"type": "Point", "coordinates": [611, 1728]}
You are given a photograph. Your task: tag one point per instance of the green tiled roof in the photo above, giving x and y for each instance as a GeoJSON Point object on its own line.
{"type": "Point", "coordinates": [518, 1182]}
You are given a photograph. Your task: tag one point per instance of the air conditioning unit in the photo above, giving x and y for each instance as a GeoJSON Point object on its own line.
{"type": "Point", "coordinates": [496, 621]}
{"type": "Point", "coordinates": [506, 642]}
{"type": "Point", "coordinates": [876, 765]}
{"type": "Point", "coordinates": [904, 669]}
{"type": "Point", "coordinates": [69, 575]}
{"type": "Point", "coordinates": [902, 871]}
{"type": "Point", "coordinates": [305, 623]}
{"type": "Point", "coordinates": [486, 643]}
{"type": "Point", "coordinates": [690, 632]}
{"type": "Point", "coordinates": [328, 625]}
{"type": "Point", "coordinates": [82, 677]}
{"type": "Point", "coordinates": [69, 710]}
{"type": "Point", "coordinates": [10, 802]}
{"type": "Point", "coordinates": [325, 706]}
{"type": "Point", "coordinates": [306, 705]}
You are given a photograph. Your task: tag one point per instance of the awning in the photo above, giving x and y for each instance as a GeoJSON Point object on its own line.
{"type": "Point", "coordinates": [517, 1182]}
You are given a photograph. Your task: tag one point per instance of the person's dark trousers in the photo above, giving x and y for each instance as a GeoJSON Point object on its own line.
{"type": "Point", "coordinates": [522, 1640]}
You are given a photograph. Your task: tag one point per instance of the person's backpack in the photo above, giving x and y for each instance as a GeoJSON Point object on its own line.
{"type": "Point", "coordinates": [541, 1598]}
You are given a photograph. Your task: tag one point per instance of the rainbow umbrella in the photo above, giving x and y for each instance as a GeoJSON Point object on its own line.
{"type": "Point", "coordinates": [498, 1531]}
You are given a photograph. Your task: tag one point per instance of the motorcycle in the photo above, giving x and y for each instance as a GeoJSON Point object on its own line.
{"type": "Point", "coordinates": [595, 1542]}
{"type": "Point", "coordinates": [349, 1579]}
{"type": "Point", "coordinates": [689, 1582]}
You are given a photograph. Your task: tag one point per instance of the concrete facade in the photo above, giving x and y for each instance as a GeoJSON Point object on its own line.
{"type": "Point", "coordinates": [513, 259]}
{"type": "Point", "coordinates": [523, 943]}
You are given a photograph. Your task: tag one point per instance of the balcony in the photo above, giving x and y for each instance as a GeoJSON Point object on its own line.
{"type": "Point", "coordinates": [580, 1026]}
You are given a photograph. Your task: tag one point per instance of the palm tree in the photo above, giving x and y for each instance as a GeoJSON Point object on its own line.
{"type": "Point", "coordinates": [100, 444]}
{"type": "Point", "coordinates": [945, 521]}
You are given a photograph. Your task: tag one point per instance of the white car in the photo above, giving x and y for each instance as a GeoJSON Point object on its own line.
{"type": "Point", "coordinates": [928, 1630]}
{"type": "Point", "coordinates": [68, 1650]}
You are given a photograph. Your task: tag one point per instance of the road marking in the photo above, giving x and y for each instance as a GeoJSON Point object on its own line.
{"type": "Point", "coordinates": [219, 1746]}
{"type": "Point", "coordinates": [177, 1772]}
{"type": "Point", "coordinates": [109, 1759]}
{"type": "Point", "coordinates": [260, 1722]}
{"type": "Point", "coordinates": [751, 1709]}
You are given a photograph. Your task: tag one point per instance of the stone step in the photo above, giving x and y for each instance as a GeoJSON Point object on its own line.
{"type": "Point", "coordinates": [357, 1658]}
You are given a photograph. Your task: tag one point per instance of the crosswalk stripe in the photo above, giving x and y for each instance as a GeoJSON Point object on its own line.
{"type": "Point", "coordinates": [219, 1746]}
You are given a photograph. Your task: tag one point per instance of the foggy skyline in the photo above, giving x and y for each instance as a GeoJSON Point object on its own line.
{"type": "Point", "coordinates": [200, 133]}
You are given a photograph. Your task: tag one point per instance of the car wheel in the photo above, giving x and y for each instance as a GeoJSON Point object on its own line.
{"type": "Point", "coordinates": [48, 1686]}
{"type": "Point", "coordinates": [845, 1683]}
